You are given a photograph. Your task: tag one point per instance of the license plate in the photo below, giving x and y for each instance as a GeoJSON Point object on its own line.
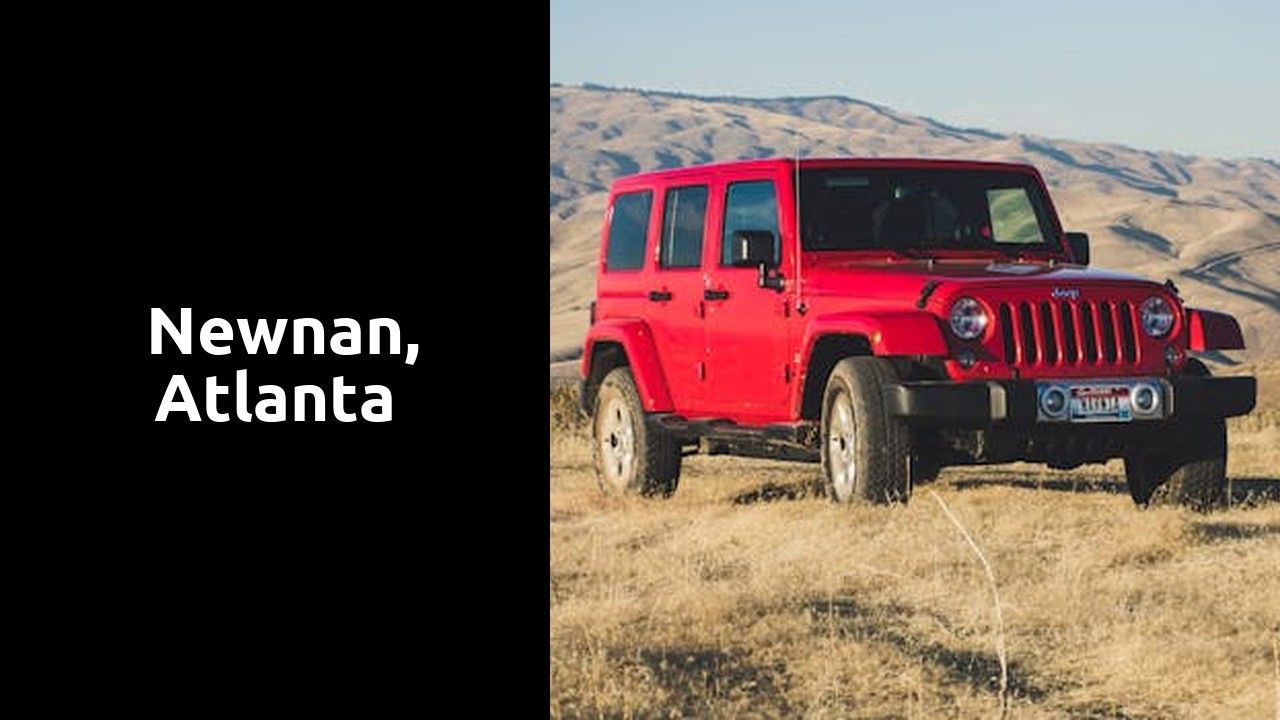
{"type": "Point", "coordinates": [1100, 403]}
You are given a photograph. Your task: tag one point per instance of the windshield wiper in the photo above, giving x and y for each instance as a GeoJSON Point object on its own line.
{"type": "Point", "coordinates": [915, 251]}
{"type": "Point", "coordinates": [911, 252]}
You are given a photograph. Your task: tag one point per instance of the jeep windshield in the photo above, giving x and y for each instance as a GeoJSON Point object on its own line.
{"type": "Point", "coordinates": [917, 211]}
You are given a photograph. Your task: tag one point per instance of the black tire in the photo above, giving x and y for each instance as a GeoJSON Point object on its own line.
{"type": "Point", "coordinates": [924, 470]}
{"type": "Point", "coordinates": [1191, 472]}
{"type": "Point", "coordinates": [1190, 469]}
{"type": "Point", "coordinates": [632, 455]}
{"type": "Point", "coordinates": [878, 444]}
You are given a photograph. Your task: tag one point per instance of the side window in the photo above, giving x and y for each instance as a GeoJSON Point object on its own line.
{"type": "Point", "coordinates": [1013, 219]}
{"type": "Point", "coordinates": [749, 206]}
{"type": "Point", "coordinates": [682, 224]}
{"type": "Point", "coordinates": [627, 230]}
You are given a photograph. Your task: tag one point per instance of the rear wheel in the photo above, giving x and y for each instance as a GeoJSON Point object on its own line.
{"type": "Point", "coordinates": [864, 449]}
{"type": "Point", "coordinates": [631, 454]}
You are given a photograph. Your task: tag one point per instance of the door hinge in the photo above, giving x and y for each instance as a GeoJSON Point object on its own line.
{"type": "Point", "coordinates": [702, 371]}
{"type": "Point", "coordinates": [786, 372]}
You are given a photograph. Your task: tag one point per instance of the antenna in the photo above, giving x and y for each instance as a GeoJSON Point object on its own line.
{"type": "Point", "coordinates": [800, 306]}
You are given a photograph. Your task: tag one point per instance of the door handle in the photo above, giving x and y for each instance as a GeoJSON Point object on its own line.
{"type": "Point", "coordinates": [715, 294]}
{"type": "Point", "coordinates": [659, 295]}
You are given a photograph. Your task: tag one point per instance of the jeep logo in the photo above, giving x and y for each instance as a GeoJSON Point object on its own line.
{"type": "Point", "coordinates": [1066, 293]}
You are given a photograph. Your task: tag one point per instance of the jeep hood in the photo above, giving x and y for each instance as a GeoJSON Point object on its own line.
{"type": "Point", "coordinates": [884, 279]}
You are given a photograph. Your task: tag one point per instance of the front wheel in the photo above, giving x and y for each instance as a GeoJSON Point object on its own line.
{"type": "Point", "coordinates": [865, 450]}
{"type": "Point", "coordinates": [1191, 471]}
{"type": "Point", "coordinates": [632, 455]}
{"type": "Point", "coordinates": [1189, 467]}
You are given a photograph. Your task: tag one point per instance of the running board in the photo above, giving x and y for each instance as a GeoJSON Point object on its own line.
{"type": "Point", "coordinates": [801, 436]}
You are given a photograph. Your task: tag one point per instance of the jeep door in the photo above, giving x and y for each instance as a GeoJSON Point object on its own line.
{"type": "Point", "coordinates": [747, 376]}
{"type": "Point", "coordinates": [675, 313]}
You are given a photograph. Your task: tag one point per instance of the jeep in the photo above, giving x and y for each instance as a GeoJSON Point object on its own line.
{"type": "Point", "coordinates": [888, 318]}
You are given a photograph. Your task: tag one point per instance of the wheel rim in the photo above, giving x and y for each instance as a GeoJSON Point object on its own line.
{"type": "Point", "coordinates": [617, 443]}
{"type": "Point", "coordinates": [841, 446]}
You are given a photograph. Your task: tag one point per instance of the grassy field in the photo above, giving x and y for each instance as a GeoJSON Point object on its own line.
{"type": "Point", "coordinates": [746, 596]}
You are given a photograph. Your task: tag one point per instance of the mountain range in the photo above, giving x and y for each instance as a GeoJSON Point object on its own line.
{"type": "Point", "coordinates": [1211, 225]}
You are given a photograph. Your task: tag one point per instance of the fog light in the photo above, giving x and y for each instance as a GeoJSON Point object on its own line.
{"type": "Point", "coordinates": [1053, 401]}
{"type": "Point", "coordinates": [1172, 355]}
{"type": "Point", "coordinates": [966, 358]}
{"type": "Point", "coordinates": [1145, 399]}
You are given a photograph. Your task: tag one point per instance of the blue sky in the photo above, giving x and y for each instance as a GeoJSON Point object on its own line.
{"type": "Point", "coordinates": [1192, 77]}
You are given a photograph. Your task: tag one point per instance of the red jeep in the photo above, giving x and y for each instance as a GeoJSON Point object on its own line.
{"type": "Point", "coordinates": [888, 318]}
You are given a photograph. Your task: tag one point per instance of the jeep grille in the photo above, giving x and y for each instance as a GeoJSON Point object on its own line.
{"type": "Point", "coordinates": [1069, 333]}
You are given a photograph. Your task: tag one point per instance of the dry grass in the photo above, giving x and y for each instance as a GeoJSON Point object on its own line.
{"type": "Point", "coordinates": [996, 607]}
{"type": "Point", "coordinates": [745, 596]}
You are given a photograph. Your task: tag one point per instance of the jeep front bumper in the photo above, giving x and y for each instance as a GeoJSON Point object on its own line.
{"type": "Point", "coordinates": [1016, 402]}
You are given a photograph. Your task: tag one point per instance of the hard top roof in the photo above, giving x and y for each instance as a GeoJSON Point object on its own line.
{"type": "Point", "coordinates": [822, 162]}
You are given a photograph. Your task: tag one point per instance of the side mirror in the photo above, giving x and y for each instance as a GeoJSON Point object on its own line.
{"type": "Point", "coordinates": [1079, 244]}
{"type": "Point", "coordinates": [758, 248]}
{"type": "Point", "coordinates": [751, 248]}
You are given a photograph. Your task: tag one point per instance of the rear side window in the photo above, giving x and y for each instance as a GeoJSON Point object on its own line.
{"type": "Point", "coordinates": [749, 206]}
{"type": "Point", "coordinates": [682, 224]}
{"type": "Point", "coordinates": [627, 230]}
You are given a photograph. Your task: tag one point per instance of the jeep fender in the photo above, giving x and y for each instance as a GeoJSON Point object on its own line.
{"type": "Point", "coordinates": [1208, 330]}
{"type": "Point", "coordinates": [907, 332]}
{"type": "Point", "coordinates": [642, 357]}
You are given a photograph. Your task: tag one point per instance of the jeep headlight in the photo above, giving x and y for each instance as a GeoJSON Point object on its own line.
{"type": "Point", "coordinates": [968, 319]}
{"type": "Point", "coordinates": [1157, 316]}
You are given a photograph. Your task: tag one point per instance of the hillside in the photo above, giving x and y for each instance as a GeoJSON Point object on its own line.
{"type": "Point", "coordinates": [1211, 225]}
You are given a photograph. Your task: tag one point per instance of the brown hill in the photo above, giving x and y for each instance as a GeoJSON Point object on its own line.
{"type": "Point", "coordinates": [1211, 225]}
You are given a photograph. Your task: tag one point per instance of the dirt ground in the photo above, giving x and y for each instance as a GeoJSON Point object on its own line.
{"type": "Point", "coordinates": [746, 595]}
